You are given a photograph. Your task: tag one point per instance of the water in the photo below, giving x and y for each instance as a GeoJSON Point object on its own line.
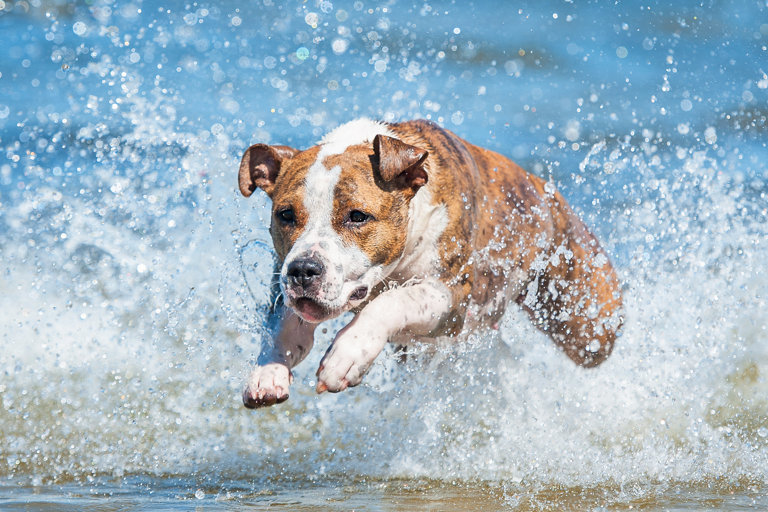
{"type": "Point", "coordinates": [134, 276]}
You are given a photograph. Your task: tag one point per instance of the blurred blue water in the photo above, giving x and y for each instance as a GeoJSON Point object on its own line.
{"type": "Point", "coordinates": [507, 75]}
{"type": "Point", "coordinates": [540, 83]}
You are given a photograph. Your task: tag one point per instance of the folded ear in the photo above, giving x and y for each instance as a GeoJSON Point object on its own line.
{"type": "Point", "coordinates": [260, 166]}
{"type": "Point", "coordinates": [399, 162]}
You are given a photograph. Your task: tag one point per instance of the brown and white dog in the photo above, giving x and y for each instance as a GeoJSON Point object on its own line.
{"type": "Point", "coordinates": [422, 235]}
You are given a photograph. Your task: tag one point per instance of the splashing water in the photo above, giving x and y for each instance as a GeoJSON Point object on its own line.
{"type": "Point", "coordinates": [135, 280]}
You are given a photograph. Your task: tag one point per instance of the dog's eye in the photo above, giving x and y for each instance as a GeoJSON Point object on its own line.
{"type": "Point", "coordinates": [358, 217]}
{"type": "Point", "coordinates": [287, 216]}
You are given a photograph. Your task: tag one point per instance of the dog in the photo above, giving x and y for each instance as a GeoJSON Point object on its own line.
{"type": "Point", "coordinates": [421, 235]}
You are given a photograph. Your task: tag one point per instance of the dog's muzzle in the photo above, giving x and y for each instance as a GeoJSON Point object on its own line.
{"type": "Point", "coordinates": [307, 291]}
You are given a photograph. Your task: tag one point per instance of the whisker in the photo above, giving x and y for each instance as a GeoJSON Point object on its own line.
{"type": "Point", "coordinates": [278, 296]}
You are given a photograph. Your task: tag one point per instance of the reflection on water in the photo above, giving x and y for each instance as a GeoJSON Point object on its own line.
{"type": "Point", "coordinates": [134, 278]}
{"type": "Point", "coordinates": [174, 493]}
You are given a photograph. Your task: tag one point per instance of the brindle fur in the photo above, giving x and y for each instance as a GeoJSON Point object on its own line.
{"type": "Point", "coordinates": [513, 222]}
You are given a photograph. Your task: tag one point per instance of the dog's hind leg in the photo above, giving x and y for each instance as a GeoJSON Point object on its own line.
{"type": "Point", "coordinates": [576, 299]}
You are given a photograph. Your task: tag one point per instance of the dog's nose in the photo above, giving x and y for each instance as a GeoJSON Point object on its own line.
{"type": "Point", "coordinates": [303, 271]}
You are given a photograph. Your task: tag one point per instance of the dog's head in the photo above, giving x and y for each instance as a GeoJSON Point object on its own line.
{"type": "Point", "coordinates": [339, 212]}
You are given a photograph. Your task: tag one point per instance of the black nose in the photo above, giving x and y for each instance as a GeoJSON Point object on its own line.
{"type": "Point", "coordinates": [303, 271]}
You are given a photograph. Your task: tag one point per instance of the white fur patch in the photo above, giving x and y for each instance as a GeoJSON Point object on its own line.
{"type": "Point", "coordinates": [319, 238]}
{"type": "Point", "coordinates": [354, 132]}
{"type": "Point", "coordinates": [346, 267]}
{"type": "Point", "coordinates": [320, 184]}
{"type": "Point", "coordinates": [426, 222]}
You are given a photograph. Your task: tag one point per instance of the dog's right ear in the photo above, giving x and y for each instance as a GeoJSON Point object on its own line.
{"type": "Point", "coordinates": [260, 166]}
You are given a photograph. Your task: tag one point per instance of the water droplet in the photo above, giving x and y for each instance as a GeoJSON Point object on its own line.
{"type": "Point", "coordinates": [572, 49]}
{"type": "Point", "coordinates": [79, 28]}
{"type": "Point", "coordinates": [311, 19]}
{"type": "Point", "coordinates": [648, 43]}
{"type": "Point", "coordinates": [339, 46]}
{"type": "Point", "coordinates": [710, 135]}
{"type": "Point", "coordinates": [199, 494]}
{"type": "Point", "coordinates": [573, 130]}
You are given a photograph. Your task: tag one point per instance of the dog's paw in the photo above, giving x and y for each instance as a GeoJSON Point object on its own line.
{"type": "Point", "coordinates": [347, 361]}
{"type": "Point", "coordinates": [267, 385]}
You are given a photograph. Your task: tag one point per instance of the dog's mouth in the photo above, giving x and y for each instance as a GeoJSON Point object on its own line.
{"type": "Point", "coordinates": [311, 310]}
{"type": "Point", "coordinates": [314, 311]}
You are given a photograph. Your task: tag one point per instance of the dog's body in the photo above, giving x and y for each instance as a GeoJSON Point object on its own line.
{"type": "Point", "coordinates": [421, 234]}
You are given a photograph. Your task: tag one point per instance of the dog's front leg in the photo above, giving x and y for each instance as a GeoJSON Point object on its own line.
{"type": "Point", "coordinates": [418, 309]}
{"type": "Point", "coordinates": [269, 381]}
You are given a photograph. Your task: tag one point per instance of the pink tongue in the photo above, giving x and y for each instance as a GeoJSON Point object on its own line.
{"type": "Point", "coordinates": [311, 310]}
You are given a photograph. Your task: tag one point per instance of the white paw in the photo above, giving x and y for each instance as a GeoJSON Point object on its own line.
{"type": "Point", "coordinates": [347, 360]}
{"type": "Point", "coordinates": [267, 385]}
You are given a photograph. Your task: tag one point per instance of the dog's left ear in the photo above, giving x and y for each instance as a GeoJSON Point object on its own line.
{"type": "Point", "coordinates": [399, 162]}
